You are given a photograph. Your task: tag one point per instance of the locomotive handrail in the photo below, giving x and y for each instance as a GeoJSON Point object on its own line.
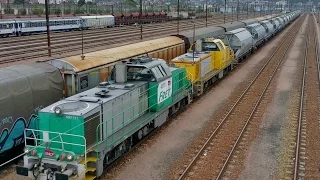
{"type": "Point", "coordinates": [34, 135]}
{"type": "Point", "coordinates": [190, 80]}
{"type": "Point", "coordinates": [62, 144]}
{"type": "Point", "coordinates": [59, 134]}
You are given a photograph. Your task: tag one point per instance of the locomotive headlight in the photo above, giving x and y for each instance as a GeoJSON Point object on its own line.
{"type": "Point", "coordinates": [26, 150]}
{"type": "Point", "coordinates": [69, 157]}
{"type": "Point", "coordinates": [57, 110]}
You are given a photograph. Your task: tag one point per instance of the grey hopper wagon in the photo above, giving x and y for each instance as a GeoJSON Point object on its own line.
{"type": "Point", "coordinates": [241, 41]}
{"type": "Point", "coordinates": [276, 24]}
{"type": "Point", "coordinates": [269, 28]}
{"type": "Point", "coordinates": [281, 22]}
{"type": "Point", "coordinates": [258, 33]}
{"type": "Point", "coordinates": [285, 20]}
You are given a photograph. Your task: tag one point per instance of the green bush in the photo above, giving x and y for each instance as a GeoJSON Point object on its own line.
{"type": "Point", "coordinates": [22, 11]}
{"type": "Point", "coordinates": [92, 11]}
{"type": "Point", "coordinates": [67, 11]}
{"type": "Point", "coordinates": [101, 11]}
{"type": "Point", "coordinates": [37, 11]}
{"type": "Point", "coordinates": [8, 11]}
{"type": "Point", "coordinates": [200, 9]}
{"type": "Point", "coordinates": [79, 11]}
{"type": "Point", "coordinates": [57, 11]}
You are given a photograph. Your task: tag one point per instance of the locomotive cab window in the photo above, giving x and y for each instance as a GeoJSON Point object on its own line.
{"type": "Point", "coordinates": [140, 74]}
{"type": "Point", "coordinates": [210, 46]}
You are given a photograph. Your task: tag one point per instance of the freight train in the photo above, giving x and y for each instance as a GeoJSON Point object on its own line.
{"type": "Point", "coordinates": [73, 75]}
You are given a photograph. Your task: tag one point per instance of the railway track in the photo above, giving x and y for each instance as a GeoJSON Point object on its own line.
{"type": "Point", "coordinates": [306, 164]}
{"type": "Point", "coordinates": [63, 46]}
{"type": "Point", "coordinates": [220, 152]}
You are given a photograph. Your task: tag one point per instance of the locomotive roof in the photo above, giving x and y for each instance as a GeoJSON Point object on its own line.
{"type": "Point", "coordinates": [149, 64]}
{"type": "Point", "coordinates": [189, 58]}
{"type": "Point", "coordinates": [87, 101]}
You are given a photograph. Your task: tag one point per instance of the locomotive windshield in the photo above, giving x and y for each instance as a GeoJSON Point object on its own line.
{"type": "Point", "coordinates": [209, 46]}
{"type": "Point", "coordinates": [140, 74]}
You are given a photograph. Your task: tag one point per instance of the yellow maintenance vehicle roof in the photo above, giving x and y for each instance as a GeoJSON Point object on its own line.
{"type": "Point", "coordinates": [110, 56]}
{"type": "Point", "coordinates": [191, 57]}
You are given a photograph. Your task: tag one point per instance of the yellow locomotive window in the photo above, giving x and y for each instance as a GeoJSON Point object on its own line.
{"type": "Point", "coordinates": [209, 46]}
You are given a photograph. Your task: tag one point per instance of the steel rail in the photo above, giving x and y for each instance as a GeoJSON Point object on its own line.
{"type": "Point", "coordinates": [302, 97]}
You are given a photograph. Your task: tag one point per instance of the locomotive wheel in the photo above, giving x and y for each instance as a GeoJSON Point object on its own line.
{"type": "Point", "coordinates": [140, 134]}
{"type": "Point", "coordinates": [145, 130]}
{"type": "Point", "coordinates": [177, 106]}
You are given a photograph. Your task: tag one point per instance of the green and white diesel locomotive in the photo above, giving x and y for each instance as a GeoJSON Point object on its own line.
{"type": "Point", "coordinates": [77, 137]}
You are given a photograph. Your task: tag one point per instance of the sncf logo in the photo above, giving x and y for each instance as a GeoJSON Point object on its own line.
{"type": "Point", "coordinates": [48, 153]}
{"type": "Point", "coordinates": [169, 83]}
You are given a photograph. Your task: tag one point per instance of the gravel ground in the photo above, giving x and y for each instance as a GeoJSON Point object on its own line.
{"type": "Point", "coordinates": [261, 162]}
{"type": "Point", "coordinates": [312, 108]}
{"type": "Point", "coordinates": [159, 158]}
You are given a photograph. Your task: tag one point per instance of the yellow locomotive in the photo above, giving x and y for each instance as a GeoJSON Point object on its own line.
{"type": "Point", "coordinates": [207, 60]}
